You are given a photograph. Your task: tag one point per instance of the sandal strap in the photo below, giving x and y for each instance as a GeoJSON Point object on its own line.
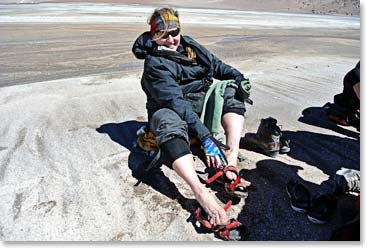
{"type": "Point", "coordinates": [230, 168]}
{"type": "Point", "coordinates": [219, 173]}
{"type": "Point", "coordinates": [205, 222]}
{"type": "Point", "coordinates": [232, 224]}
{"type": "Point", "coordinates": [214, 177]}
{"type": "Point", "coordinates": [228, 205]}
{"type": "Point", "coordinates": [232, 185]}
{"type": "Point", "coordinates": [225, 231]}
{"type": "Point", "coordinates": [201, 219]}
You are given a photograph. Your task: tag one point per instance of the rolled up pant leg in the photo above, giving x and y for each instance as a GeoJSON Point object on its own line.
{"type": "Point", "coordinates": [231, 104]}
{"type": "Point", "coordinates": [171, 134]}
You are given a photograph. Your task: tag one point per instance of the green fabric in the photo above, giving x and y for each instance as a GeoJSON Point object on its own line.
{"type": "Point", "coordinates": [211, 115]}
{"type": "Point", "coordinates": [213, 105]}
{"type": "Point", "coordinates": [246, 88]}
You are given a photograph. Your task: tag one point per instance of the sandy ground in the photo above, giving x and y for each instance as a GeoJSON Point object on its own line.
{"type": "Point", "coordinates": [329, 7]}
{"type": "Point", "coordinates": [71, 103]}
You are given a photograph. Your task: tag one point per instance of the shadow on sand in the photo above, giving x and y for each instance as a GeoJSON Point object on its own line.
{"type": "Point", "coordinates": [316, 116]}
{"type": "Point", "coordinates": [267, 210]}
{"type": "Point", "coordinates": [268, 207]}
{"type": "Point", "coordinates": [125, 135]}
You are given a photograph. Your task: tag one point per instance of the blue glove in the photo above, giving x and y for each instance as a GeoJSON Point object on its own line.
{"type": "Point", "coordinates": [213, 153]}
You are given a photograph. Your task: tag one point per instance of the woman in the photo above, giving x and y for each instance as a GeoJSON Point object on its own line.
{"type": "Point", "coordinates": [177, 73]}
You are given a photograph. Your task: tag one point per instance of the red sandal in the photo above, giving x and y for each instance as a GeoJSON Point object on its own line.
{"type": "Point", "coordinates": [236, 187]}
{"type": "Point", "coordinates": [233, 231]}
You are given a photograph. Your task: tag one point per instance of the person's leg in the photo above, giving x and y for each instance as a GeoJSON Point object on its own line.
{"type": "Point", "coordinates": [233, 121]}
{"type": "Point", "coordinates": [233, 125]}
{"type": "Point", "coordinates": [185, 168]}
{"type": "Point", "coordinates": [172, 138]}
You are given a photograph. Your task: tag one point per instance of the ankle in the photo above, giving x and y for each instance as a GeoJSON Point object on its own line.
{"type": "Point", "coordinates": [200, 192]}
{"type": "Point", "coordinates": [231, 156]}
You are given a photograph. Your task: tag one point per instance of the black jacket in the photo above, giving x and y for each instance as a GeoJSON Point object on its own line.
{"type": "Point", "coordinates": [169, 76]}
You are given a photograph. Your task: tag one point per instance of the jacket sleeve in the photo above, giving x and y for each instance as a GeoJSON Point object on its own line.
{"type": "Point", "coordinates": [161, 84]}
{"type": "Point", "coordinates": [222, 71]}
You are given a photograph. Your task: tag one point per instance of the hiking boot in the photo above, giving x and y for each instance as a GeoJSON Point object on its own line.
{"type": "Point", "coordinates": [299, 195]}
{"type": "Point", "coordinates": [321, 209]}
{"type": "Point", "coordinates": [347, 180]}
{"type": "Point", "coordinates": [267, 138]}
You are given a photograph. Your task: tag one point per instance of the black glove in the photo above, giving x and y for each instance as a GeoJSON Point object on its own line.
{"type": "Point", "coordinates": [207, 82]}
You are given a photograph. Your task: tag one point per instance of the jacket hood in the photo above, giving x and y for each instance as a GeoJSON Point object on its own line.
{"type": "Point", "coordinates": [143, 45]}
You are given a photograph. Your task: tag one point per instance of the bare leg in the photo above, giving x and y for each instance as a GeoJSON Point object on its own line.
{"type": "Point", "coordinates": [233, 127]}
{"type": "Point", "coordinates": [185, 168]}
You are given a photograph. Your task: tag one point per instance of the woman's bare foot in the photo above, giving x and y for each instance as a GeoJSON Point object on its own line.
{"type": "Point", "coordinates": [185, 168]}
{"type": "Point", "coordinates": [216, 214]}
{"type": "Point", "coordinates": [231, 156]}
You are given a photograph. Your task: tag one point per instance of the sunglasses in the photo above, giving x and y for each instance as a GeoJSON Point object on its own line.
{"type": "Point", "coordinates": [164, 35]}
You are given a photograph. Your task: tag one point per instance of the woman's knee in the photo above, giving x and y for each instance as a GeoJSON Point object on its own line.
{"type": "Point", "coordinates": [174, 149]}
{"type": "Point", "coordinates": [231, 104]}
{"type": "Point", "coordinates": [166, 125]}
